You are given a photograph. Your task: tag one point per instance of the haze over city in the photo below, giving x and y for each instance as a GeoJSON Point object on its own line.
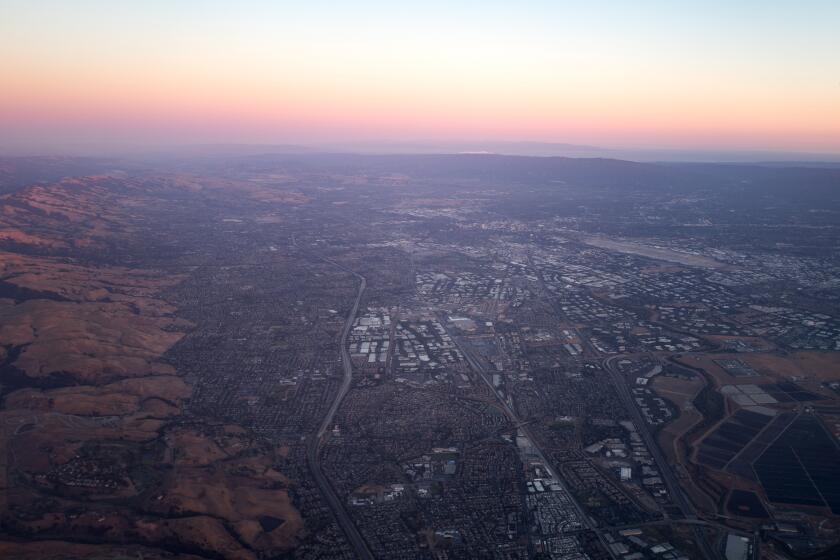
{"type": "Point", "coordinates": [491, 280]}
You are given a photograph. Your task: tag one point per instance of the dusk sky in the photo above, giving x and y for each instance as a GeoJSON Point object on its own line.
{"type": "Point", "coordinates": [691, 75]}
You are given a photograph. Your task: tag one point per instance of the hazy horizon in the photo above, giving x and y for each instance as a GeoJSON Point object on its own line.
{"type": "Point", "coordinates": [428, 147]}
{"type": "Point", "coordinates": [710, 77]}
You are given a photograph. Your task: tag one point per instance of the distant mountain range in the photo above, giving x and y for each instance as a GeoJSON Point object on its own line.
{"type": "Point", "coordinates": [523, 148]}
{"type": "Point", "coordinates": [543, 149]}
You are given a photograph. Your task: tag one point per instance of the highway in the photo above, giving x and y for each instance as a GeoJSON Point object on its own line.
{"type": "Point", "coordinates": [674, 488]}
{"type": "Point", "coordinates": [523, 427]}
{"type": "Point", "coordinates": [350, 530]}
{"type": "Point", "coordinates": [671, 482]}
{"type": "Point", "coordinates": [313, 444]}
{"type": "Point", "coordinates": [641, 425]}
{"type": "Point", "coordinates": [345, 359]}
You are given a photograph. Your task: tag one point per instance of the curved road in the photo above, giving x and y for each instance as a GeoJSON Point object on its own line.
{"type": "Point", "coordinates": [313, 444]}
{"type": "Point", "coordinates": [671, 482]}
{"type": "Point", "coordinates": [675, 490]}
{"type": "Point", "coordinates": [345, 357]}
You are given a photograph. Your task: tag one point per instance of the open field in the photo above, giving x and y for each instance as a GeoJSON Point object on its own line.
{"type": "Point", "coordinates": [61, 550]}
{"type": "Point", "coordinates": [681, 392]}
{"type": "Point", "coordinates": [659, 253]}
{"type": "Point", "coordinates": [769, 367]}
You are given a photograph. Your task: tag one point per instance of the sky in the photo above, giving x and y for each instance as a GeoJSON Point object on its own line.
{"type": "Point", "coordinates": [713, 74]}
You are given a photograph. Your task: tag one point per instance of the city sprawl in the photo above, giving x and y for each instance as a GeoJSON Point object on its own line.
{"type": "Point", "coordinates": [466, 356]}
